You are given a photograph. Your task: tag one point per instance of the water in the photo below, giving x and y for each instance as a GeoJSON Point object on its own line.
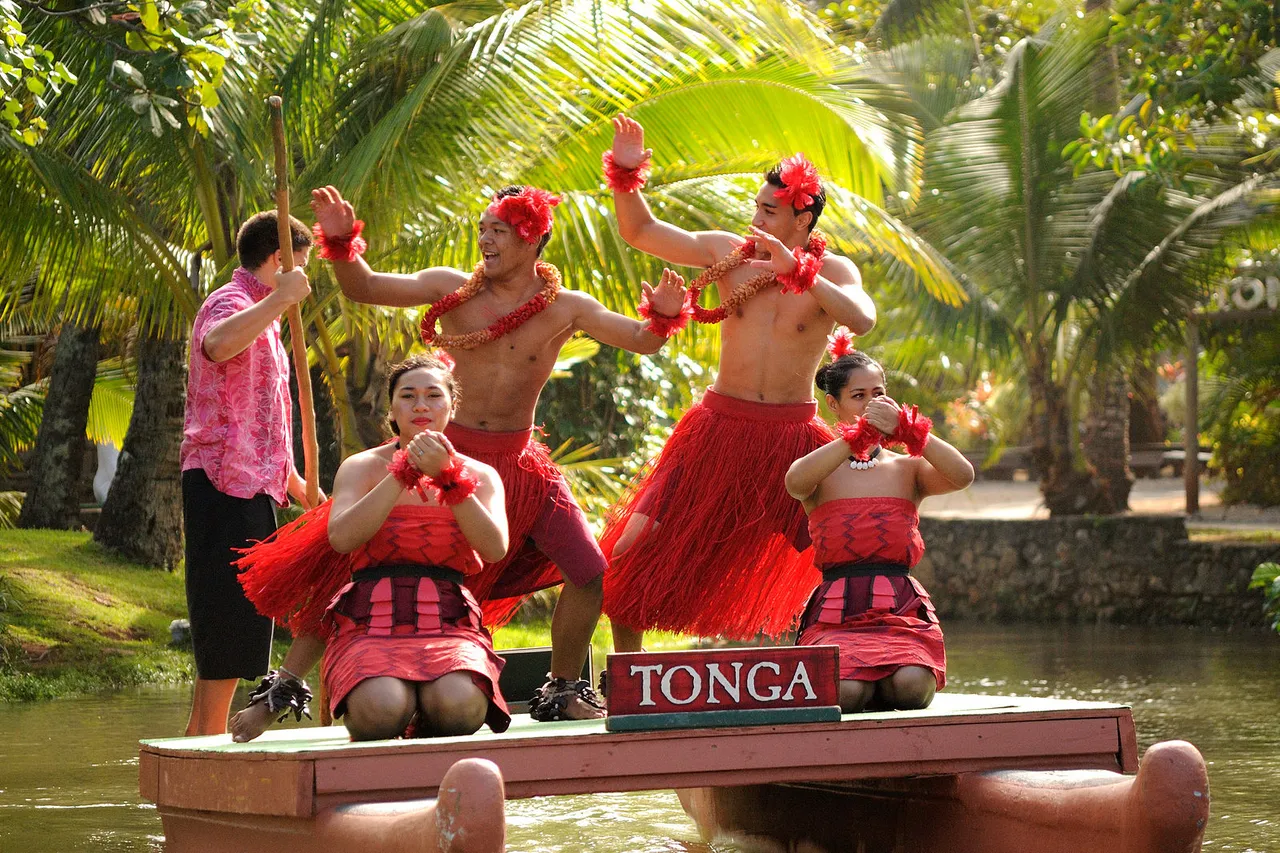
{"type": "Point", "coordinates": [68, 770]}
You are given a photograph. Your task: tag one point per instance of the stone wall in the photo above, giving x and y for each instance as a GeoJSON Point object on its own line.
{"type": "Point", "coordinates": [1130, 569]}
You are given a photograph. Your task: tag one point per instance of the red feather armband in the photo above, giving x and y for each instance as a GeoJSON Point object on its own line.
{"type": "Point", "coordinates": [913, 430]}
{"type": "Point", "coordinates": [800, 279]}
{"type": "Point", "coordinates": [407, 474]}
{"type": "Point", "coordinates": [623, 180]}
{"type": "Point", "coordinates": [860, 437]}
{"type": "Point", "coordinates": [341, 248]}
{"type": "Point", "coordinates": [454, 484]}
{"type": "Point", "coordinates": [660, 324]}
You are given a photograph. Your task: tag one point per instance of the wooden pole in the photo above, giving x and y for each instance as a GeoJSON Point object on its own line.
{"type": "Point", "coordinates": [306, 403]}
{"type": "Point", "coordinates": [1190, 431]}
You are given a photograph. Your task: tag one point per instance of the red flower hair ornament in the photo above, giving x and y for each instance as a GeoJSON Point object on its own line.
{"type": "Point", "coordinates": [528, 212]}
{"type": "Point", "coordinates": [840, 343]}
{"type": "Point", "coordinates": [800, 182]}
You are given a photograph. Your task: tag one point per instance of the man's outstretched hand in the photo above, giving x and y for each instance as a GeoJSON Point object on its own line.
{"type": "Point", "coordinates": [668, 297]}
{"type": "Point", "coordinates": [334, 213]}
{"type": "Point", "coordinates": [628, 143]}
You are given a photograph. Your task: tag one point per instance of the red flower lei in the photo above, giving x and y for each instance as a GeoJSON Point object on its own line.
{"type": "Point", "coordinates": [813, 250]}
{"type": "Point", "coordinates": [550, 290]}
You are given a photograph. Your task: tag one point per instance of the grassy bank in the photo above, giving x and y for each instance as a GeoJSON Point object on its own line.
{"type": "Point", "coordinates": [74, 618]}
{"type": "Point", "coordinates": [77, 619]}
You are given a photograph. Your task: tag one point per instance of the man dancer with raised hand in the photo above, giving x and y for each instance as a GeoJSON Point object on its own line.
{"type": "Point", "coordinates": [504, 324]}
{"type": "Point", "coordinates": [708, 542]}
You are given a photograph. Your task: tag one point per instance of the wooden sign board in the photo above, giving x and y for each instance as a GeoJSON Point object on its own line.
{"type": "Point", "coordinates": [723, 687]}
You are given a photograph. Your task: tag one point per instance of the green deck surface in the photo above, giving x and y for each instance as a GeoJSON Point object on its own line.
{"type": "Point", "coordinates": [316, 738]}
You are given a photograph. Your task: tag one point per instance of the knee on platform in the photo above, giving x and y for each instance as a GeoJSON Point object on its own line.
{"type": "Point", "coordinates": [379, 708]}
{"type": "Point", "coordinates": [910, 688]}
{"type": "Point", "coordinates": [453, 705]}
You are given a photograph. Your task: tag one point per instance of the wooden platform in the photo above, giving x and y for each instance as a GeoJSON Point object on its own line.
{"type": "Point", "coordinates": [298, 772]}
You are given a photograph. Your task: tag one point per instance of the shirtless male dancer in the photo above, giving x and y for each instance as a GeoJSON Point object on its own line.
{"type": "Point", "coordinates": [504, 324]}
{"type": "Point", "coordinates": [708, 542]}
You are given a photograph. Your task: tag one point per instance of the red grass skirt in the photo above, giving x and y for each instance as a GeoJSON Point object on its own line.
{"type": "Point", "coordinates": [879, 623]}
{"type": "Point", "coordinates": [722, 559]}
{"type": "Point", "coordinates": [528, 475]}
{"type": "Point", "coordinates": [414, 629]}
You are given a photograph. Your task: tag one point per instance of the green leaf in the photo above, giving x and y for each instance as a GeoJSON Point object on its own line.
{"type": "Point", "coordinates": [122, 67]}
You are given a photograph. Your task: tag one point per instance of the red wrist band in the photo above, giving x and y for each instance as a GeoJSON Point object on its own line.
{"type": "Point", "coordinates": [860, 437]}
{"type": "Point", "coordinates": [454, 484]}
{"type": "Point", "coordinates": [662, 325]}
{"type": "Point", "coordinates": [341, 248]}
{"type": "Point", "coordinates": [622, 180]}
{"type": "Point", "coordinates": [913, 430]}
{"type": "Point", "coordinates": [804, 275]}
{"type": "Point", "coordinates": [407, 474]}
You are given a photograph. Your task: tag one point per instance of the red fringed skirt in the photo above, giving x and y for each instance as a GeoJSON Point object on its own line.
{"type": "Point", "coordinates": [880, 623]}
{"type": "Point", "coordinates": [414, 629]}
{"type": "Point", "coordinates": [726, 549]}
{"type": "Point", "coordinates": [537, 502]}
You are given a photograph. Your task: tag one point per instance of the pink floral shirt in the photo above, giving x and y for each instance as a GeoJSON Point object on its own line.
{"type": "Point", "coordinates": [238, 424]}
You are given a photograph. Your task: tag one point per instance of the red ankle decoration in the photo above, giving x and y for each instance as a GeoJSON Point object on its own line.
{"type": "Point", "coordinates": [454, 484]}
{"type": "Point", "coordinates": [344, 249]}
{"type": "Point", "coordinates": [407, 474]}
{"type": "Point", "coordinates": [662, 325]}
{"type": "Point", "coordinates": [808, 265]}
{"type": "Point", "coordinates": [913, 430]}
{"type": "Point", "coordinates": [622, 180]}
{"type": "Point", "coordinates": [860, 437]}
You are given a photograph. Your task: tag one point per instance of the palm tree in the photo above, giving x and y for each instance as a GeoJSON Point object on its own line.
{"type": "Point", "coordinates": [418, 110]}
{"type": "Point", "coordinates": [1073, 271]}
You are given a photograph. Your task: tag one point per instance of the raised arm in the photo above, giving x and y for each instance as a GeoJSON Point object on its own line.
{"type": "Point", "coordinates": [363, 495]}
{"type": "Point", "coordinates": [942, 469]}
{"type": "Point", "coordinates": [359, 282]}
{"type": "Point", "coordinates": [641, 229]}
{"type": "Point", "coordinates": [838, 287]}
{"type": "Point", "coordinates": [807, 473]}
{"type": "Point", "coordinates": [226, 338]}
{"type": "Point", "coordinates": [621, 331]}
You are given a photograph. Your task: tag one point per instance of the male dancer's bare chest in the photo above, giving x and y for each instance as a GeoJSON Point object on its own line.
{"type": "Point", "coordinates": [501, 380]}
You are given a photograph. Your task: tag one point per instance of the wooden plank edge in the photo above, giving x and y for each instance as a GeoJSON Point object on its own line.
{"type": "Point", "coordinates": [738, 718]}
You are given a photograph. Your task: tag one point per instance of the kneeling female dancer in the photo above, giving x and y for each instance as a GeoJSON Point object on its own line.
{"type": "Point", "coordinates": [405, 651]}
{"type": "Point", "coordinates": [862, 500]}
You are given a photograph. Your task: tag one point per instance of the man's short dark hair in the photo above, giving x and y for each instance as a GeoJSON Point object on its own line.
{"type": "Point", "coordinates": [774, 177]}
{"type": "Point", "coordinates": [515, 189]}
{"type": "Point", "coordinates": [259, 238]}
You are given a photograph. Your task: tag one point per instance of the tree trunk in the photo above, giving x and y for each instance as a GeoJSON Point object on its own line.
{"type": "Point", "coordinates": [53, 499]}
{"type": "Point", "coordinates": [1147, 424]}
{"type": "Point", "coordinates": [1067, 490]}
{"type": "Point", "coordinates": [142, 517]}
{"type": "Point", "coordinates": [1106, 438]}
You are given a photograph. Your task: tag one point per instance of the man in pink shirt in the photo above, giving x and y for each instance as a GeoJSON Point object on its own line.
{"type": "Point", "coordinates": [237, 459]}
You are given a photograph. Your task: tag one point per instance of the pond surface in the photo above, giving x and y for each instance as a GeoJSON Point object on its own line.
{"type": "Point", "coordinates": [68, 769]}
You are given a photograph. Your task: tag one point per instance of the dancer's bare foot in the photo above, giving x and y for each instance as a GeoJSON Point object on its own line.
{"type": "Point", "coordinates": [251, 722]}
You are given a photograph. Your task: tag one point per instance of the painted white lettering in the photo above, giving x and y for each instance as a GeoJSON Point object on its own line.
{"type": "Point", "coordinates": [774, 690]}
{"type": "Point", "coordinates": [646, 686]}
{"type": "Point", "coordinates": [801, 677]}
{"type": "Point", "coordinates": [666, 684]}
{"type": "Point", "coordinates": [734, 690]}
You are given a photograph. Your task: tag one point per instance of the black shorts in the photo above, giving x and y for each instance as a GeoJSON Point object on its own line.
{"type": "Point", "coordinates": [230, 638]}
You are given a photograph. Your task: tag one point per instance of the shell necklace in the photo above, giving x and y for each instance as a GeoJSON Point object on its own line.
{"type": "Point", "coordinates": [865, 464]}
